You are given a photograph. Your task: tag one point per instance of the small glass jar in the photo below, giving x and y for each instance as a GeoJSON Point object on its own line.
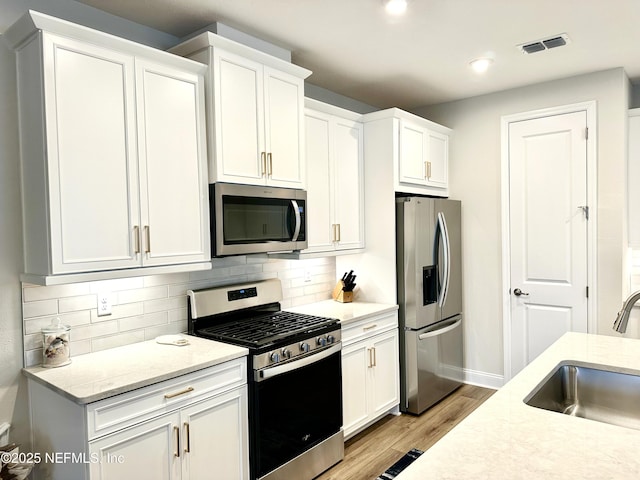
{"type": "Point", "coordinates": [55, 344]}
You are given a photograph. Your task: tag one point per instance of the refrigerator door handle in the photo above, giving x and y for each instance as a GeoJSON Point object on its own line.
{"type": "Point", "coordinates": [442, 224]}
{"type": "Point", "coordinates": [440, 331]}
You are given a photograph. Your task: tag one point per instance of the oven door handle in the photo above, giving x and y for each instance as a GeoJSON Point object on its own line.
{"type": "Point", "coordinates": [271, 372]}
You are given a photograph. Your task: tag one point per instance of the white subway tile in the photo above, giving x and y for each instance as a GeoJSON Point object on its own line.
{"type": "Point", "coordinates": [292, 273]}
{"type": "Point", "coordinates": [228, 261]}
{"type": "Point", "coordinates": [116, 284]}
{"type": "Point", "coordinates": [142, 294]}
{"type": "Point", "coordinates": [104, 343]}
{"type": "Point", "coordinates": [169, 329]}
{"type": "Point", "coordinates": [32, 357]}
{"type": "Point", "coordinates": [167, 279]}
{"type": "Point", "coordinates": [178, 315]}
{"type": "Point", "coordinates": [94, 330]}
{"type": "Point", "coordinates": [39, 308]}
{"type": "Point", "coordinates": [164, 304]}
{"type": "Point", "coordinates": [31, 294]}
{"type": "Point", "coordinates": [209, 274]}
{"type": "Point", "coordinates": [35, 325]}
{"type": "Point", "coordinates": [79, 348]}
{"type": "Point", "coordinates": [143, 321]}
{"type": "Point", "coordinates": [74, 304]}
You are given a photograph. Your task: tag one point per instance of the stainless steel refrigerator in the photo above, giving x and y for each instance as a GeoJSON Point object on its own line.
{"type": "Point", "coordinates": [429, 267]}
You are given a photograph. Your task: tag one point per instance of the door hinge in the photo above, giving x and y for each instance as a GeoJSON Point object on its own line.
{"type": "Point", "coordinates": [585, 210]}
{"type": "Point", "coordinates": [587, 291]}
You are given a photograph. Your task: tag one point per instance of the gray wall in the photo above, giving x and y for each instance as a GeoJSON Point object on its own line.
{"type": "Point", "coordinates": [475, 177]}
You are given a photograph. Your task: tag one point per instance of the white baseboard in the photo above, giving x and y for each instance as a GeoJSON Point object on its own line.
{"type": "Point", "coordinates": [483, 379]}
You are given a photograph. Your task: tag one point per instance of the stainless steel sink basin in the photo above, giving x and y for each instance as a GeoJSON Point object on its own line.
{"type": "Point", "coordinates": [590, 391]}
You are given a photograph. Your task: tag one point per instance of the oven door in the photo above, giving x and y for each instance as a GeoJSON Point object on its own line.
{"type": "Point", "coordinates": [254, 219]}
{"type": "Point", "coordinates": [296, 406]}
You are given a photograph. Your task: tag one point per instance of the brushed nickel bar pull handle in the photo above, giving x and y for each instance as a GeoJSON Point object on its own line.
{"type": "Point", "coordinates": [339, 234]}
{"type": "Point", "coordinates": [370, 327]}
{"type": "Point", "coordinates": [426, 169]}
{"type": "Point", "coordinates": [147, 235]}
{"type": "Point", "coordinates": [187, 447]}
{"type": "Point", "coordinates": [263, 162]}
{"type": "Point", "coordinates": [375, 359]}
{"type": "Point", "coordinates": [176, 430]}
{"type": "Point", "coordinates": [333, 227]}
{"type": "Point", "coordinates": [270, 157]}
{"type": "Point", "coordinates": [370, 358]}
{"type": "Point", "coordinates": [177, 394]}
{"type": "Point", "coordinates": [136, 240]}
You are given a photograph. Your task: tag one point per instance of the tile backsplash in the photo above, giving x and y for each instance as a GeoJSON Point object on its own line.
{"type": "Point", "coordinates": [145, 307]}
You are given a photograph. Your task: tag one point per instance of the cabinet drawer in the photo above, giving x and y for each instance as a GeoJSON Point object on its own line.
{"type": "Point", "coordinates": [112, 414]}
{"type": "Point", "coordinates": [369, 326]}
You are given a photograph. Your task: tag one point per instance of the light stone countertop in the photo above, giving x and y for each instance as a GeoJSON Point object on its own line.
{"type": "Point", "coordinates": [507, 439]}
{"type": "Point", "coordinates": [95, 376]}
{"type": "Point", "coordinates": [345, 312]}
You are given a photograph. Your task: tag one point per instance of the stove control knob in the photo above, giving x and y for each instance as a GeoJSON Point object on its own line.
{"type": "Point", "coordinates": [322, 341]}
{"type": "Point", "coordinates": [275, 357]}
{"type": "Point", "coordinates": [330, 339]}
{"type": "Point", "coordinates": [305, 347]}
{"type": "Point", "coordinates": [286, 353]}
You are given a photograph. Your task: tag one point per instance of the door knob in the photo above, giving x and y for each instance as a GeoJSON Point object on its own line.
{"type": "Point", "coordinates": [517, 292]}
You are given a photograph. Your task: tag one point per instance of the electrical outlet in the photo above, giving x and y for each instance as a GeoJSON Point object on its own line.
{"type": "Point", "coordinates": [307, 275]}
{"type": "Point", "coordinates": [104, 304]}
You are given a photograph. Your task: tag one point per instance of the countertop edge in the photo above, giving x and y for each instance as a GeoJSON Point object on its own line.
{"type": "Point", "coordinates": [346, 313]}
{"type": "Point", "coordinates": [32, 373]}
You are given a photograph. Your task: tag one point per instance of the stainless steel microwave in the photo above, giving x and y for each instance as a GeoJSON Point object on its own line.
{"type": "Point", "coordinates": [256, 219]}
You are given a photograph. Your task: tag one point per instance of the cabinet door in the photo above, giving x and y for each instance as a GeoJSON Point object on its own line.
{"type": "Point", "coordinates": [348, 198]}
{"type": "Point", "coordinates": [385, 373]}
{"type": "Point", "coordinates": [284, 121]}
{"type": "Point", "coordinates": [319, 194]}
{"type": "Point", "coordinates": [438, 158]}
{"type": "Point", "coordinates": [147, 450]}
{"type": "Point", "coordinates": [173, 170]}
{"type": "Point", "coordinates": [92, 168]}
{"type": "Point", "coordinates": [215, 438]}
{"type": "Point", "coordinates": [240, 154]}
{"type": "Point", "coordinates": [413, 153]}
{"type": "Point", "coordinates": [356, 364]}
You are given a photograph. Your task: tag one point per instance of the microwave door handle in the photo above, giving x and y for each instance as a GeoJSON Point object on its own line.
{"type": "Point", "coordinates": [296, 212]}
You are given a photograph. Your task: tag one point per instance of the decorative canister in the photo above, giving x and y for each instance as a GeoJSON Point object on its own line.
{"type": "Point", "coordinates": [55, 344]}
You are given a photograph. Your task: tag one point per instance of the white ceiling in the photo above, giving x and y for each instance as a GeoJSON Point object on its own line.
{"type": "Point", "coordinates": [355, 49]}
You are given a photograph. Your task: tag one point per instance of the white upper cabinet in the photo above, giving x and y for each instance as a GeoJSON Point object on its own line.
{"type": "Point", "coordinates": [113, 147]}
{"type": "Point", "coordinates": [419, 147]}
{"type": "Point", "coordinates": [335, 187]}
{"type": "Point", "coordinates": [255, 111]}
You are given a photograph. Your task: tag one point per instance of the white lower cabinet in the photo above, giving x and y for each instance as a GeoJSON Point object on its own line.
{"type": "Point", "coordinates": [194, 426]}
{"type": "Point", "coordinates": [370, 371]}
{"type": "Point", "coordinates": [184, 444]}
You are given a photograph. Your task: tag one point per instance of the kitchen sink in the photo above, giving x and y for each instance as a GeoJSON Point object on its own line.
{"type": "Point", "coordinates": [592, 392]}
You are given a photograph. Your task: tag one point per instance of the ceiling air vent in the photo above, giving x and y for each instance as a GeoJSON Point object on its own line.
{"type": "Point", "coordinates": [545, 44]}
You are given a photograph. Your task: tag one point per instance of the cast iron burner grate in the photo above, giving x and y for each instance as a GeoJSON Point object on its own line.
{"type": "Point", "coordinates": [264, 329]}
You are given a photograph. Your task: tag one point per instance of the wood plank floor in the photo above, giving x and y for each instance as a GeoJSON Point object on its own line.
{"type": "Point", "coordinates": [372, 451]}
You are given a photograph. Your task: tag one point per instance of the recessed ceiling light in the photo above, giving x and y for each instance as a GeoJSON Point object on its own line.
{"type": "Point", "coordinates": [481, 65]}
{"type": "Point", "coordinates": [395, 7]}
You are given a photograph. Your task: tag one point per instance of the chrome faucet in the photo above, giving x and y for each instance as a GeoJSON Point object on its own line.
{"type": "Point", "coordinates": [620, 324]}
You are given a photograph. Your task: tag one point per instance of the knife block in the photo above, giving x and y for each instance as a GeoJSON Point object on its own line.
{"type": "Point", "coordinates": [340, 295]}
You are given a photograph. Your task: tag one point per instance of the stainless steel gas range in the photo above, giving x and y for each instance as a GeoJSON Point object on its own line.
{"type": "Point", "coordinates": [295, 380]}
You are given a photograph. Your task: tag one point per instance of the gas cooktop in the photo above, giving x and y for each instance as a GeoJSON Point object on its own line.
{"type": "Point", "coordinates": [267, 329]}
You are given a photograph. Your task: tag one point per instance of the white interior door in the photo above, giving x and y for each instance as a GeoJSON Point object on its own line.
{"type": "Point", "coordinates": [548, 232]}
